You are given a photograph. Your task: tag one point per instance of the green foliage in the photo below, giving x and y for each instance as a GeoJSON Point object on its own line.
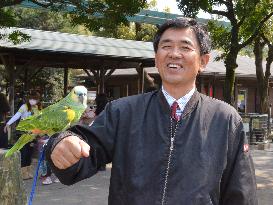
{"type": "Point", "coordinates": [191, 8]}
{"type": "Point", "coordinates": [50, 81]}
{"type": "Point", "coordinates": [253, 19]}
{"type": "Point", "coordinates": [97, 14]}
{"type": "Point", "coordinates": [268, 30]}
{"type": "Point", "coordinates": [44, 20]}
{"type": "Point", "coordinates": [7, 20]}
{"type": "Point", "coordinates": [129, 32]}
{"type": "Point", "coordinates": [3, 76]}
{"type": "Point", "coordinates": [220, 35]}
{"type": "Point", "coordinates": [92, 14]}
{"type": "Point", "coordinates": [147, 32]}
{"type": "Point", "coordinates": [18, 37]}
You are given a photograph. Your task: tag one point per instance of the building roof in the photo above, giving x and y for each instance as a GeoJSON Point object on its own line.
{"type": "Point", "coordinates": [86, 46]}
{"type": "Point", "coordinates": [94, 48]}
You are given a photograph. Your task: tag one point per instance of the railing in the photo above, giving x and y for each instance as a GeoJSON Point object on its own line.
{"type": "Point", "coordinates": [256, 127]}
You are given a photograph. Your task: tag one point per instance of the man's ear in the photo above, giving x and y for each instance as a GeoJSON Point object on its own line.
{"type": "Point", "coordinates": [204, 61]}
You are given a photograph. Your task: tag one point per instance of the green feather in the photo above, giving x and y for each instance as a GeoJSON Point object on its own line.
{"type": "Point", "coordinates": [24, 139]}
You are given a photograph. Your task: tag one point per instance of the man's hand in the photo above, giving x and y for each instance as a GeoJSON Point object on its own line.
{"type": "Point", "coordinates": [69, 151]}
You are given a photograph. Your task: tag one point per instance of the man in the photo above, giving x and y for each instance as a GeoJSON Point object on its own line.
{"type": "Point", "coordinates": [189, 153]}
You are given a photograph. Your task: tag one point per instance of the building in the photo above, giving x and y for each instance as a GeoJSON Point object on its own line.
{"type": "Point", "coordinates": [116, 66]}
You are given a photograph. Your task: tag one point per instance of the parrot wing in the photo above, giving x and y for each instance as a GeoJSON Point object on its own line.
{"type": "Point", "coordinates": [51, 120]}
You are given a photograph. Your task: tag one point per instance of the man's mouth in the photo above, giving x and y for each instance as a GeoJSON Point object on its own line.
{"type": "Point", "coordinates": [174, 66]}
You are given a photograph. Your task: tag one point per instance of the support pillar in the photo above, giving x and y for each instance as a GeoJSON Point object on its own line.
{"type": "Point", "coordinates": [140, 71]}
{"type": "Point", "coordinates": [65, 80]}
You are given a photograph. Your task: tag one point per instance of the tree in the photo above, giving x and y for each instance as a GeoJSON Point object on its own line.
{"type": "Point", "coordinates": [232, 38]}
{"type": "Point", "coordinates": [93, 14]}
{"type": "Point", "coordinates": [264, 39]}
{"type": "Point", "coordinates": [7, 20]}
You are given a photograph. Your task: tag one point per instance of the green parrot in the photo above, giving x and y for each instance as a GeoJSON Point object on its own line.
{"type": "Point", "coordinates": [54, 118]}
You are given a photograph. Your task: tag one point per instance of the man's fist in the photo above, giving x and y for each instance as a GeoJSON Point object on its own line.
{"type": "Point", "coordinates": [69, 151]}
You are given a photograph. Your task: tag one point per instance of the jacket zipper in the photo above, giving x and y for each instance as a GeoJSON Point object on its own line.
{"type": "Point", "coordinates": [172, 133]}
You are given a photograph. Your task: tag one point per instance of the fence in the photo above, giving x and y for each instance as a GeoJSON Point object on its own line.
{"type": "Point", "coordinates": [257, 127]}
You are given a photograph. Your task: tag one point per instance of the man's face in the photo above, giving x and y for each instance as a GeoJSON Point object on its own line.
{"type": "Point", "coordinates": [178, 58]}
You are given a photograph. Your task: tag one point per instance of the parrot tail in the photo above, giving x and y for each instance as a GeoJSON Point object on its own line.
{"type": "Point", "coordinates": [24, 139]}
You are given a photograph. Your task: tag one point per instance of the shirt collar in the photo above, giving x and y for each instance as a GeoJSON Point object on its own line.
{"type": "Point", "coordinates": [181, 101]}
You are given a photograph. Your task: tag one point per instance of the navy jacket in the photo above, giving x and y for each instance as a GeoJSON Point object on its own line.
{"type": "Point", "coordinates": [203, 163]}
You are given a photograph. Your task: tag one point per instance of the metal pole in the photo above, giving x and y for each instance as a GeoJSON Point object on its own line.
{"type": "Point", "coordinates": [250, 131]}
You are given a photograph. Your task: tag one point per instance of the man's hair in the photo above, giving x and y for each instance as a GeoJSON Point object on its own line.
{"type": "Point", "coordinates": [199, 29]}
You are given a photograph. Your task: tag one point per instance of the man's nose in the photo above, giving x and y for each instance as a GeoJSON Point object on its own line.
{"type": "Point", "coordinates": [175, 53]}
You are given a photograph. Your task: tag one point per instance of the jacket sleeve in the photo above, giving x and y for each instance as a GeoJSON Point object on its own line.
{"type": "Point", "coordinates": [238, 185]}
{"type": "Point", "coordinates": [100, 136]}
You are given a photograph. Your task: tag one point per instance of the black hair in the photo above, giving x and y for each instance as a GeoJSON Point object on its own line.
{"type": "Point", "coordinates": [199, 29]}
{"type": "Point", "coordinates": [36, 96]}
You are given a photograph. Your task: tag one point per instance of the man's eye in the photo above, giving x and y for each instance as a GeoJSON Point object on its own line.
{"type": "Point", "coordinates": [166, 47]}
{"type": "Point", "coordinates": [185, 48]}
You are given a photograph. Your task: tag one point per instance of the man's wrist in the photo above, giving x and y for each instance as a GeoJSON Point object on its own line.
{"type": "Point", "coordinates": [62, 136]}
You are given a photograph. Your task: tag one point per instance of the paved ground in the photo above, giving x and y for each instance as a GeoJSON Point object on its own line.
{"type": "Point", "coordinates": [94, 191]}
{"type": "Point", "coordinates": [264, 174]}
{"type": "Point", "coordinates": [91, 191]}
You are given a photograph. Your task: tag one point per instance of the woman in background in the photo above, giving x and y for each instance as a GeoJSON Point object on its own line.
{"type": "Point", "coordinates": [32, 106]}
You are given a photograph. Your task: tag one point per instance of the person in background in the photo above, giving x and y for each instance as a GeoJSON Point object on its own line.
{"type": "Point", "coordinates": [150, 89]}
{"type": "Point", "coordinates": [91, 112]}
{"type": "Point", "coordinates": [32, 105]}
{"type": "Point", "coordinates": [47, 176]}
{"type": "Point", "coordinates": [168, 147]}
{"type": "Point", "coordinates": [4, 109]}
{"type": "Point", "coordinates": [101, 101]}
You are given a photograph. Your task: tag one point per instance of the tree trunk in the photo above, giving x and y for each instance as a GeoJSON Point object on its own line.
{"type": "Point", "coordinates": [12, 190]}
{"type": "Point", "coordinates": [262, 78]}
{"type": "Point", "coordinates": [269, 61]}
{"type": "Point", "coordinates": [138, 29]}
{"type": "Point", "coordinates": [231, 65]}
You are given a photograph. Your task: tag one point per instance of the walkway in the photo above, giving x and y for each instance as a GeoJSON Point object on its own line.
{"type": "Point", "coordinates": [94, 191]}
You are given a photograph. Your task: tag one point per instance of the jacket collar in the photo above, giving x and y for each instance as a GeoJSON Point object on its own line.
{"type": "Point", "coordinates": [190, 106]}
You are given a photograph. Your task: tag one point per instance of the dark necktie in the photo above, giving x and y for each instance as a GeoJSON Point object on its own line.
{"type": "Point", "coordinates": [173, 111]}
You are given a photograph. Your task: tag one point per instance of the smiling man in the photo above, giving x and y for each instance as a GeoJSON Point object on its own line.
{"type": "Point", "coordinates": [174, 146]}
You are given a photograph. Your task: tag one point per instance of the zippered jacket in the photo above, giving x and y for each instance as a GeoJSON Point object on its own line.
{"type": "Point", "coordinates": [202, 159]}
